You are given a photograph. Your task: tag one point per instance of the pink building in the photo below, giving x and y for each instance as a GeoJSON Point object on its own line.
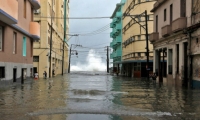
{"type": "Point", "coordinates": [175, 41]}
{"type": "Point", "coordinates": [17, 34]}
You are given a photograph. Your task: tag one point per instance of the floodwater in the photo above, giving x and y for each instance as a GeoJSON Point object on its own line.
{"type": "Point", "coordinates": [98, 96]}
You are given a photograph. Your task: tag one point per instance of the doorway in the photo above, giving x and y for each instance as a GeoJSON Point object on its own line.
{"type": "Point", "coordinates": [22, 76]}
{"type": "Point", "coordinates": [14, 74]}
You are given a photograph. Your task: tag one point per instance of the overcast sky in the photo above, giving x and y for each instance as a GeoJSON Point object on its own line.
{"type": "Point", "coordinates": [91, 8]}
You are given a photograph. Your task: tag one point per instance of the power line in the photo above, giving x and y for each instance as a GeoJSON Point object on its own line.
{"type": "Point", "coordinates": [72, 17]}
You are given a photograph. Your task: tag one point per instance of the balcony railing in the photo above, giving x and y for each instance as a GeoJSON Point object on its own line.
{"type": "Point", "coordinates": [118, 53]}
{"type": "Point", "coordinates": [154, 36]}
{"type": "Point", "coordinates": [111, 56]}
{"type": "Point", "coordinates": [35, 3]}
{"type": "Point", "coordinates": [35, 30]}
{"type": "Point", "coordinates": [119, 26]}
{"type": "Point", "coordinates": [9, 11]}
{"type": "Point", "coordinates": [166, 30]}
{"type": "Point", "coordinates": [112, 25]}
{"type": "Point", "coordinates": [118, 39]}
{"type": "Point", "coordinates": [119, 14]}
{"type": "Point", "coordinates": [111, 44]}
{"type": "Point", "coordinates": [179, 24]}
{"type": "Point", "coordinates": [112, 34]}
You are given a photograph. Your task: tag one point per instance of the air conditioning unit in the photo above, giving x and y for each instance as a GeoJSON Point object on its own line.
{"type": "Point", "coordinates": [37, 11]}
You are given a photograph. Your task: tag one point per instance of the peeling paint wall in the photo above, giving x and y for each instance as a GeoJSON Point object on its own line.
{"type": "Point", "coordinates": [196, 67]}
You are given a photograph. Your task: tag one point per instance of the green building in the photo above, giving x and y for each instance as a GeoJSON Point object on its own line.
{"type": "Point", "coordinates": [116, 35]}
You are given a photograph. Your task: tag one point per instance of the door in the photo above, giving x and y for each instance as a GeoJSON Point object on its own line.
{"type": "Point", "coordinates": [14, 75]}
{"type": "Point", "coordinates": [34, 70]}
{"type": "Point", "coordinates": [22, 76]}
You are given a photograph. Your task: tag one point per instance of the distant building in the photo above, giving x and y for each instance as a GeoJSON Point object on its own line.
{"type": "Point", "coordinates": [134, 38]}
{"type": "Point", "coordinates": [18, 31]}
{"type": "Point", "coordinates": [176, 40]}
{"type": "Point", "coordinates": [41, 49]}
{"type": "Point", "coordinates": [116, 35]}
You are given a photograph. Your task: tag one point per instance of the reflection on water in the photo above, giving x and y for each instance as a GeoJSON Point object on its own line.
{"type": "Point", "coordinates": [88, 96]}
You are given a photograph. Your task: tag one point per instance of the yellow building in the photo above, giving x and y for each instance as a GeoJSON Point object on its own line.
{"type": "Point", "coordinates": [134, 39]}
{"type": "Point", "coordinates": [41, 52]}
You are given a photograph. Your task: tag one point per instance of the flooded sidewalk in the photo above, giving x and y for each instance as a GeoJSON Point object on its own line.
{"type": "Point", "coordinates": [99, 96]}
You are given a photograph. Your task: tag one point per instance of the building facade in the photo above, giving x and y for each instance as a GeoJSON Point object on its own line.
{"type": "Point", "coordinates": [18, 31]}
{"type": "Point", "coordinates": [134, 57]}
{"type": "Point", "coordinates": [171, 40]}
{"type": "Point", "coordinates": [116, 35]}
{"type": "Point", "coordinates": [194, 53]}
{"type": "Point", "coordinates": [41, 58]}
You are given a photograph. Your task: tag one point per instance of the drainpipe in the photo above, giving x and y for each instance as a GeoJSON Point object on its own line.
{"type": "Point", "coordinates": [64, 38]}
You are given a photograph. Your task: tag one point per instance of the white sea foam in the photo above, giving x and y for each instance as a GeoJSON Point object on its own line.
{"type": "Point", "coordinates": [94, 62]}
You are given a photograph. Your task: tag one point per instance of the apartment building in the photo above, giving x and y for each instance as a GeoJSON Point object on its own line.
{"type": "Point", "coordinates": [18, 31]}
{"type": "Point", "coordinates": [134, 57]}
{"type": "Point", "coordinates": [175, 40]}
{"type": "Point", "coordinates": [116, 35]}
{"type": "Point", "coordinates": [41, 51]}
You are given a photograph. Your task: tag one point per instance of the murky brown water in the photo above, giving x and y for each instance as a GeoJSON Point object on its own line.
{"type": "Point", "coordinates": [81, 96]}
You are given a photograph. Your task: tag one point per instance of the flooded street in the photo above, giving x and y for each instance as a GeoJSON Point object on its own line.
{"type": "Point", "coordinates": [89, 96]}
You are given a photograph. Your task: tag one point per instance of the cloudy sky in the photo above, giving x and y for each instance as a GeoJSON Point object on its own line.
{"type": "Point", "coordinates": [93, 33]}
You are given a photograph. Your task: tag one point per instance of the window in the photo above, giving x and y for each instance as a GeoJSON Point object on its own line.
{"type": "Point", "coordinates": [14, 42]}
{"type": "Point", "coordinates": [171, 13]}
{"type": "Point", "coordinates": [24, 8]}
{"type": "Point", "coordinates": [156, 23]}
{"type": "Point", "coordinates": [1, 38]}
{"type": "Point", "coordinates": [139, 54]}
{"type": "Point", "coordinates": [35, 58]}
{"type": "Point", "coordinates": [197, 40]}
{"type": "Point", "coordinates": [31, 49]}
{"type": "Point", "coordinates": [24, 46]}
{"type": "Point", "coordinates": [165, 14]}
{"type": "Point", "coordinates": [139, 37]}
{"type": "Point", "coordinates": [48, 40]}
{"type": "Point", "coordinates": [139, 19]}
{"type": "Point", "coordinates": [139, 1]}
{"type": "Point", "coordinates": [60, 47]}
{"type": "Point", "coordinates": [183, 8]}
{"type": "Point", "coordinates": [148, 17]}
{"type": "Point", "coordinates": [2, 72]}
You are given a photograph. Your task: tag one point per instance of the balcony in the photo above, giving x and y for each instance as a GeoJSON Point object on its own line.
{"type": "Point", "coordinates": [154, 36]}
{"type": "Point", "coordinates": [117, 53]}
{"type": "Point", "coordinates": [111, 44]}
{"type": "Point", "coordinates": [179, 24]}
{"type": "Point", "coordinates": [119, 14]}
{"type": "Point", "coordinates": [9, 11]}
{"type": "Point", "coordinates": [158, 4]}
{"type": "Point", "coordinates": [112, 25]}
{"type": "Point", "coordinates": [35, 30]}
{"type": "Point", "coordinates": [166, 30]}
{"type": "Point", "coordinates": [111, 56]}
{"type": "Point", "coordinates": [119, 26]}
{"type": "Point", "coordinates": [112, 34]}
{"type": "Point", "coordinates": [116, 20]}
{"type": "Point", "coordinates": [118, 39]}
{"type": "Point", "coordinates": [35, 3]}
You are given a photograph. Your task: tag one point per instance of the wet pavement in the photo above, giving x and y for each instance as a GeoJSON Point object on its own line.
{"type": "Point", "coordinates": [98, 96]}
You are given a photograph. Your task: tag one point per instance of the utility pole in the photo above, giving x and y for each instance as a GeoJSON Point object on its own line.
{"type": "Point", "coordinates": [69, 58]}
{"type": "Point", "coordinates": [107, 59]}
{"type": "Point", "coordinates": [51, 39]}
{"type": "Point", "coordinates": [147, 44]}
{"type": "Point", "coordinates": [64, 39]}
{"type": "Point", "coordinates": [70, 52]}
